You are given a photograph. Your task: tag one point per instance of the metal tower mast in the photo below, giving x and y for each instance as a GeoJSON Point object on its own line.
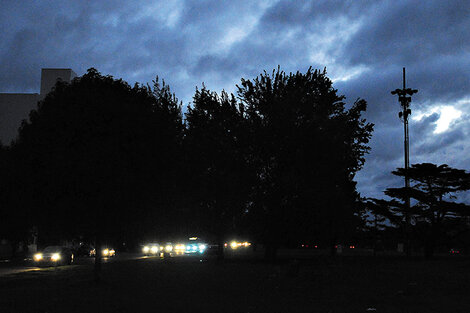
{"type": "Point", "coordinates": [404, 97]}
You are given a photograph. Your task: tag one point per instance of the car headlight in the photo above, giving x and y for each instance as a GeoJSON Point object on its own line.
{"type": "Point", "coordinates": [234, 244]}
{"type": "Point", "coordinates": [105, 252]}
{"type": "Point", "coordinates": [38, 257]}
{"type": "Point", "coordinates": [55, 257]}
{"type": "Point", "coordinates": [146, 249]}
{"type": "Point", "coordinates": [154, 249]}
{"type": "Point", "coordinates": [168, 248]}
{"type": "Point", "coordinates": [202, 248]}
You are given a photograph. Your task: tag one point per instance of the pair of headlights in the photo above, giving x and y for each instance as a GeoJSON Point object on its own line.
{"type": "Point", "coordinates": [152, 249]}
{"type": "Point", "coordinates": [236, 244]}
{"type": "Point", "coordinates": [195, 247]}
{"type": "Point", "coordinates": [39, 257]}
{"type": "Point", "coordinates": [108, 252]}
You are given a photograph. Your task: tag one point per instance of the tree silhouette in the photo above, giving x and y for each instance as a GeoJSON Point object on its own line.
{"type": "Point", "coordinates": [98, 154]}
{"type": "Point", "coordinates": [15, 220]}
{"type": "Point", "coordinates": [306, 148]}
{"type": "Point", "coordinates": [434, 214]}
{"type": "Point", "coordinates": [386, 217]}
{"type": "Point", "coordinates": [219, 176]}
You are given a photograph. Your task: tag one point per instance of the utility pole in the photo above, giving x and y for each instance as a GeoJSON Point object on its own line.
{"type": "Point", "coordinates": [404, 97]}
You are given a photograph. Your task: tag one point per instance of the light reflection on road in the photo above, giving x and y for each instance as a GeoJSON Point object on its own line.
{"type": "Point", "coordinates": [16, 270]}
{"type": "Point", "coordinates": [28, 266]}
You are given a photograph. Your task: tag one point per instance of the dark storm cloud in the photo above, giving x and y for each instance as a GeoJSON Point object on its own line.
{"type": "Point", "coordinates": [430, 38]}
{"type": "Point", "coordinates": [409, 32]}
{"type": "Point", "coordinates": [363, 44]}
{"type": "Point", "coordinates": [439, 142]}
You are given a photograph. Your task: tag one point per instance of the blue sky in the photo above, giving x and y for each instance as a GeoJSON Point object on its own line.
{"type": "Point", "coordinates": [363, 44]}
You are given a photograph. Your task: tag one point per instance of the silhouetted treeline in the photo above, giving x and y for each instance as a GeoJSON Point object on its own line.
{"type": "Point", "coordinates": [275, 163]}
{"type": "Point", "coordinates": [434, 219]}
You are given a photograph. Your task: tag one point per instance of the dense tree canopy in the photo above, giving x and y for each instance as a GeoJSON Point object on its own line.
{"type": "Point", "coordinates": [306, 148]}
{"type": "Point", "coordinates": [113, 161]}
{"type": "Point", "coordinates": [216, 141]}
{"type": "Point", "coordinates": [96, 155]}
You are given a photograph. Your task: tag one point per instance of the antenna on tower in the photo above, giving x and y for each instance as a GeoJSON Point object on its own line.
{"type": "Point", "coordinates": [404, 97]}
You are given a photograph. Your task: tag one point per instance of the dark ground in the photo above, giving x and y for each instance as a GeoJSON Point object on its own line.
{"type": "Point", "coordinates": [243, 284]}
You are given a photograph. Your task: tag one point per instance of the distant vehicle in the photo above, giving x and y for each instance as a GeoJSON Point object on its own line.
{"type": "Point", "coordinates": [237, 244]}
{"type": "Point", "coordinates": [151, 249]}
{"type": "Point", "coordinates": [105, 252]}
{"type": "Point", "coordinates": [179, 248]}
{"type": "Point", "coordinates": [84, 250]}
{"type": "Point", "coordinates": [54, 255]}
{"type": "Point", "coordinates": [167, 250]}
{"type": "Point", "coordinates": [195, 247]}
{"type": "Point", "coordinates": [454, 251]}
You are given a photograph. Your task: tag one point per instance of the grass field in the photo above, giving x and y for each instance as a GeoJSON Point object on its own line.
{"type": "Point", "coordinates": [321, 284]}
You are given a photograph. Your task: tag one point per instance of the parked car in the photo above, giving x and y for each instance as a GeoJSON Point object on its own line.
{"type": "Point", "coordinates": [54, 255]}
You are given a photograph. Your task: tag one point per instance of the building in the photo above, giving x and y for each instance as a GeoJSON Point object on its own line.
{"type": "Point", "coordinates": [15, 107]}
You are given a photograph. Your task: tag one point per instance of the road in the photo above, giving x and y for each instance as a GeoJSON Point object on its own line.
{"type": "Point", "coordinates": [10, 268]}
{"type": "Point", "coordinates": [27, 265]}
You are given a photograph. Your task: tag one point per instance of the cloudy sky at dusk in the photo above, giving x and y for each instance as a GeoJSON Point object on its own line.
{"type": "Point", "coordinates": [363, 44]}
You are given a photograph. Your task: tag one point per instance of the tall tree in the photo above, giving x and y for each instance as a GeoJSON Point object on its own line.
{"type": "Point", "coordinates": [15, 222]}
{"type": "Point", "coordinates": [96, 154]}
{"type": "Point", "coordinates": [307, 148]}
{"type": "Point", "coordinates": [382, 217]}
{"type": "Point", "coordinates": [433, 189]}
{"type": "Point", "coordinates": [216, 142]}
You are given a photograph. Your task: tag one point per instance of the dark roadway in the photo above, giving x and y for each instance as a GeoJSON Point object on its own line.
{"type": "Point", "coordinates": [27, 265]}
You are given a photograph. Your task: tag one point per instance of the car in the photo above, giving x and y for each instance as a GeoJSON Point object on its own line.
{"type": "Point", "coordinates": [167, 250]}
{"type": "Point", "coordinates": [454, 251]}
{"type": "Point", "coordinates": [195, 245]}
{"type": "Point", "coordinates": [151, 249]}
{"type": "Point", "coordinates": [83, 250]}
{"type": "Point", "coordinates": [105, 252]}
{"type": "Point", "coordinates": [54, 255]}
{"type": "Point", "coordinates": [179, 248]}
{"type": "Point", "coordinates": [237, 244]}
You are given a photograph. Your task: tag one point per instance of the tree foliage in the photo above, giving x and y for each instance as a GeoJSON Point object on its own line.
{"type": "Point", "coordinates": [216, 140]}
{"type": "Point", "coordinates": [306, 150]}
{"type": "Point", "coordinates": [97, 156]}
{"type": "Point", "coordinates": [101, 157]}
{"type": "Point", "coordinates": [433, 212]}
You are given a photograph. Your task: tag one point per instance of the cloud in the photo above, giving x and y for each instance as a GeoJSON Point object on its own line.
{"type": "Point", "coordinates": [363, 45]}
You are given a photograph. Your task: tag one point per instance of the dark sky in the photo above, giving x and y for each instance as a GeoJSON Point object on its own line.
{"type": "Point", "coordinates": [363, 44]}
